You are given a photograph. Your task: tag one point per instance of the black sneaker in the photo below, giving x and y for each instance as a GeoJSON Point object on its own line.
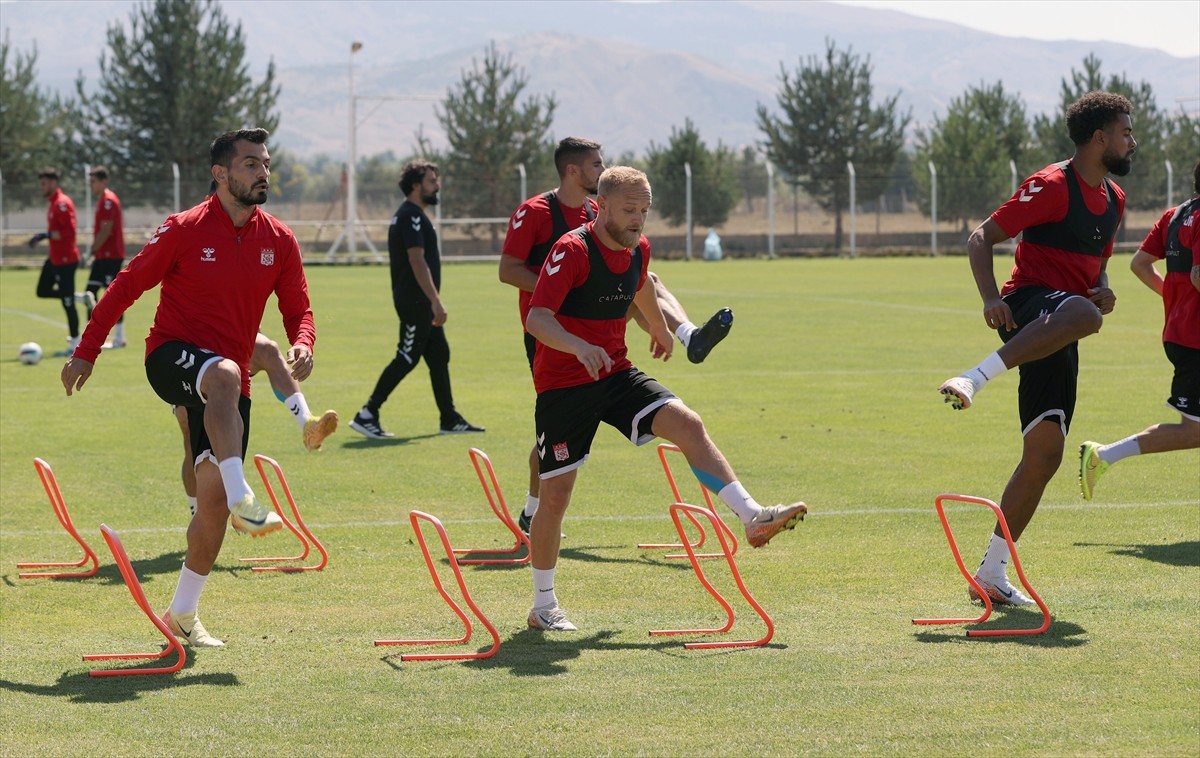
{"type": "Point", "coordinates": [524, 521]}
{"type": "Point", "coordinates": [368, 426]}
{"type": "Point", "coordinates": [460, 426]}
{"type": "Point", "coordinates": [707, 337]}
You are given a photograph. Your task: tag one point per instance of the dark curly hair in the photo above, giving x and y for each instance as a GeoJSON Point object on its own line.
{"type": "Point", "coordinates": [1095, 110]}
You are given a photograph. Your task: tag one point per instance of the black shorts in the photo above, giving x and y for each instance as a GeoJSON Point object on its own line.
{"type": "Point", "coordinates": [530, 349]}
{"type": "Point", "coordinates": [103, 272]}
{"type": "Point", "coordinates": [1185, 385]}
{"type": "Point", "coordinates": [1048, 386]}
{"type": "Point", "coordinates": [566, 419]}
{"type": "Point", "coordinates": [174, 371]}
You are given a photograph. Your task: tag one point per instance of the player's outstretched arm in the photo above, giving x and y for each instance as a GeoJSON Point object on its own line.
{"type": "Point", "coordinates": [545, 328]}
{"type": "Point", "coordinates": [646, 301]}
{"type": "Point", "coordinates": [75, 373]}
{"type": "Point", "coordinates": [980, 251]}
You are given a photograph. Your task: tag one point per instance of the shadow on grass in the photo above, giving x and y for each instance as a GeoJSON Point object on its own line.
{"type": "Point", "coordinates": [360, 443]}
{"type": "Point", "coordinates": [1175, 554]}
{"type": "Point", "coordinates": [167, 563]}
{"type": "Point", "coordinates": [531, 652]}
{"type": "Point", "coordinates": [1060, 634]}
{"type": "Point", "coordinates": [82, 688]}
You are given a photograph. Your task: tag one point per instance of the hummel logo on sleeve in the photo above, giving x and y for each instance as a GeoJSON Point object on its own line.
{"type": "Point", "coordinates": [416, 223]}
{"type": "Point", "coordinates": [518, 219]}
{"type": "Point", "coordinates": [1033, 189]}
{"type": "Point", "coordinates": [555, 258]}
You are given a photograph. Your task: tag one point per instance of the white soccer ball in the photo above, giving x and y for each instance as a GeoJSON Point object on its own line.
{"type": "Point", "coordinates": [30, 353]}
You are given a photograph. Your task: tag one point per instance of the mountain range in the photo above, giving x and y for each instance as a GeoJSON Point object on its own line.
{"type": "Point", "coordinates": [622, 72]}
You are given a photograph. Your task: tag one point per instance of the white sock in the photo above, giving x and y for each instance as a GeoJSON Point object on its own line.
{"type": "Point", "coordinates": [187, 592]}
{"type": "Point", "coordinates": [543, 589]}
{"type": "Point", "coordinates": [685, 332]}
{"type": "Point", "coordinates": [299, 408]}
{"type": "Point", "coordinates": [531, 505]}
{"type": "Point", "coordinates": [738, 499]}
{"type": "Point", "coordinates": [995, 560]}
{"type": "Point", "coordinates": [73, 343]}
{"type": "Point", "coordinates": [236, 486]}
{"type": "Point", "coordinates": [119, 334]}
{"type": "Point", "coordinates": [990, 368]}
{"type": "Point", "coordinates": [1120, 450]}
{"type": "Point", "coordinates": [192, 504]}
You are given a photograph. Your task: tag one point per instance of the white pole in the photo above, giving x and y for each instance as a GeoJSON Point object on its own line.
{"type": "Point", "coordinates": [175, 171]}
{"type": "Point", "coordinates": [853, 209]}
{"type": "Point", "coordinates": [932, 209]}
{"type": "Point", "coordinates": [521, 170]}
{"type": "Point", "coordinates": [687, 170]}
{"type": "Point", "coordinates": [351, 185]}
{"type": "Point", "coordinates": [770, 210]}
{"type": "Point", "coordinates": [1170, 183]}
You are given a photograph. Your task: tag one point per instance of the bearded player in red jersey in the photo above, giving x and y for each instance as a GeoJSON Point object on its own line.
{"type": "Point", "coordinates": [218, 263]}
{"type": "Point", "coordinates": [539, 222]}
{"type": "Point", "coordinates": [1175, 238]}
{"type": "Point", "coordinates": [583, 376]}
{"type": "Point", "coordinates": [1057, 295]}
{"type": "Point", "coordinates": [58, 272]}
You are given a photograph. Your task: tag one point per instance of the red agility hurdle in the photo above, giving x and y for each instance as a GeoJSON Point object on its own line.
{"type": "Point", "coordinates": [495, 499]}
{"type": "Point", "coordinates": [139, 597]}
{"type": "Point", "coordinates": [415, 517]}
{"type": "Point", "coordinates": [663, 449]}
{"type": "Point", "coordinates": [987, 602]}
{"type": "Point", "coordinates": [50, 484]}
{"type": "Point", "coordinates": [727, 551]}
{"type": "Point", "coordinates": [307, 540]}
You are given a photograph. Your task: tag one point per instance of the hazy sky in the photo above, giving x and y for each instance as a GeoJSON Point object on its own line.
{"type": "Point", "coordinates": [1169, 25]}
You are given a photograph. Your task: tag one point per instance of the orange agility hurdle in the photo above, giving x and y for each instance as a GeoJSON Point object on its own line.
{"type": "Point", "coordinates": [303, 534]}
{"type": "Point", "coordinates": [496, 500]}
{"type": "Point", "coordinates": [139, 597]}
{"type": "Point", "coordinates": [987, 602]}
{"type": "Point", "coordinates": [727, 551]}
{"type": "Point", "coordinates": [50, 484]}
{"type": "Point", "coordinates": [414, 517]}
{"type": "Point", "coordinates": [663, 449]}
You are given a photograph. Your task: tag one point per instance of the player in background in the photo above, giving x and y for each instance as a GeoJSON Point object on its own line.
{"type": "Point", "coordinates": [539, 222]}
{"type": "Point", "coordinates": [1057, 294]}
{"type": "Point", "coordinates": [58, 272]}
{"type": "Point", "coordinates": [416, 268]}
{"type": "Point", "coordinates": [583, 376]}
{"type": "Point", "coordinates": [1175, 238]}
{"type": "Point", "coordinates": [108, 246]}
{"type": "Point", "coordinates": [313, 429]}
{"type": "Point", "coordinates": [217, 263]}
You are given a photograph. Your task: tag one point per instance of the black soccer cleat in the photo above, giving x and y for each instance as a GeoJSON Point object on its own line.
{"type": "Point", "coordinates": [707, 336]}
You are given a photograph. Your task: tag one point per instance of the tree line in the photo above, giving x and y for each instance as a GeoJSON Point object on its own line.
{"type": "Point", "coordinates": [179, 76]}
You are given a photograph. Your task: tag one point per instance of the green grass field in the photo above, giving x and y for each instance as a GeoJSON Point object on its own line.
{"type": "Point", "coordinates": [825, 391]}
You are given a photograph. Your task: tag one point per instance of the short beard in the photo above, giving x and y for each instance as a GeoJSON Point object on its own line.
{"type": "Point", "coordinates": [430, 199]}
{"type": "Point", "coordinates": [623, 236]}
{"type": "Point", "coordinates": [247, 195]}
{"type": "Point", "coordinates": [1118, 166]}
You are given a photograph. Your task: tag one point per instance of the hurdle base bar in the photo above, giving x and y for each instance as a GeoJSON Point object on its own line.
{"type": "Point", "coordinates": [939, 504]}
{"type": "Point", "coordinates": [307, 540]}
{"type": "Point", "coordinates": [663, 449]}
{"type": "Point", "coordinates": [414, 518]}
{"type": "Point", "coordinates": [139, 597]}
{"type": "Point", "coordinates": [694, 558]}
{"type": "Point", "coordinates": [54, 494]}
{"type": "Point", "coordinates": [495, 498]}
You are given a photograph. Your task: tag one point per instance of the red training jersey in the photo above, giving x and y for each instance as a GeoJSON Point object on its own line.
{"type": "Point", "coordinates": [1181, 301]}
{"type": "Point", "coordinates": [566, 268]}
{"type": "Point", "coordinates": [1043, 199]}
{"type": "Point", "coordinates": [215, 283]}
{"type": "Point", "coordinates": [108, 208]}
{"type": "Point", "coordinates": [60, 217]}
{"type": "Point", "coordinates": [531, 225]}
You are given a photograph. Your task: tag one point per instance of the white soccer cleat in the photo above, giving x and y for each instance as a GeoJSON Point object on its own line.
{"type": "Point", "coordinates": [551, 620]}
{"type": "Point", "coordinates": [959, 391]}
{"type": "Point", "coordinates": [1001, 593]}
{"type": "Point", "coordinates": [188, 628]}
{"type": "Point", "coordinates": [252, 517]}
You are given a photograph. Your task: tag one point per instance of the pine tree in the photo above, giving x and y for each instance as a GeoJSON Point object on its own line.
{"type": "Point", "coordinates": [33, 125]}
{"type": "Point", "coordinates": [714, 182]}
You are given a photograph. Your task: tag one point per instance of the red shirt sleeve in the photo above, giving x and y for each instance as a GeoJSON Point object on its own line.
{"type": "Point", "coordinates": [1042, 199]}
{"type": "Point", "coordinates": [292, 293]}
{"type": "Point", "coordinates": [1156, 241]}
{"type": "Point", "coordinates": [530, 225]}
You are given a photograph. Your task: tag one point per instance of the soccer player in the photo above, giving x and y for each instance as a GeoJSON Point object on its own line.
{"type": "Point", "coordinates": [416, 294]}
{"type": "Point", "coordinates": [1176, 238]}
{"type": "Point", "coordinates": [218, 263]}
{"type": "Point", "coordinates": [1057, 295]}
{"type": "Point", "coordinates": [583, 376]}
{"type": "Point", "coordinates": [58, 272]}
{"type": "Point", "coordinates": [108, 245]}
{"type": "Point", "coordinates": [313, 429]}
{"type": "Point", "coordinates": [539, 222]}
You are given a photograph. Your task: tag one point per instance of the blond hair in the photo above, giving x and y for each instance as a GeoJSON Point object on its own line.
{"type": "Point", "coordinates": [618, 178]}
